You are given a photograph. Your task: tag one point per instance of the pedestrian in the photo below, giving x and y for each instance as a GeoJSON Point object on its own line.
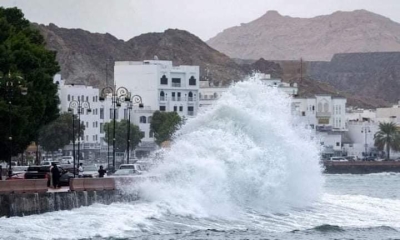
{"type": "Point", "coordinates": [80, 170]}
{"type": "Point", "coordinates": [101, 171]}
{"type": "Point", "coordinates": [55, 173]}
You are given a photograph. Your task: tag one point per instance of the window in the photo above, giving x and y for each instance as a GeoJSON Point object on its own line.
{"type": "Point", "coordinates": [192, 81]}
{"type": "Point", "coordinates": [116, 114]}
{"type": "Point", "coordinates": [162, 108]}
{"type": "Point", "coordinates": [94, 124]}
{"type": "Point", "coordinates": [190, 97]}
{"type": "Point", "coordinates": [94, 98]}
{"type": "Point", "coordinates": [175, 108]}
{"type": "Point", "coordinates": [149, 119]}
{"type": "Point", "coordinates": [173, 96]}
{"type": "Point", "coordinates": [69, 97]}
{"type": "Point", "coordinates": [94, 138]}
{"type": "Point", "coordinates": [101, 113]}
{"type": "Point", "coordinates": [111, 113]}
{"type": "Point", "coordinates": [82, 98]}
{"type": "Point", "coordinates": [326, 107]}
{"type": "Point", "coordinates": [72, 98]}
{"type": "Point", "coordinates": [87, 138]}
{"type": "Point", "coordinates": [191, 111]}
{"type": "Point", "coordinates": [101, 127]}
{"type": "Point", "coordinates": [87, 98]}
{"type": "Point", "coordinates": [142, 119]}
{"type": "Point", "coordinates": [151, 134]}
{"type": "Point", "coordinates": [87, 124]}
{"type": "Point", "coordinates": [179, 96]}
{"type": "Point", "coordinates": [162, 96]}
{"type": "Point", "coordinates": [303, 113]}
{"type": "Point", "coordinates": [176, 82]}
{"type": "Point", "coordinates": [337, 144]}
{"type": "Point", "coordinates": [164, 80]}
{"type": "Point", "coordinates": [180, 108]}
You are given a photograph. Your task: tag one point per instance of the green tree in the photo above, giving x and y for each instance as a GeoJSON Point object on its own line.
{"type": "Point", "coordinates": [58, 133]}
{"type": "Point", "coordinates": [388, 136]}
{"type": "Point", "coordinates": [22, 51]}
{"type": "Point", "coordinates": [164, 125]}
{"type": "Point", "coordinates": [121, 134]}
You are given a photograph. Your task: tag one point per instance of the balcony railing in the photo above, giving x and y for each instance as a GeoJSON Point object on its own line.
{"type": "Point", "coordinates": [173, 98]}
{"type": "Point", "coordinates": [190, 99]}
{"type": "Point", "coordinates": [323, 114]}
{"type": "Point", "coordinates": [176, 84]}
{"type": "Point", "coordinates": [178, 98]}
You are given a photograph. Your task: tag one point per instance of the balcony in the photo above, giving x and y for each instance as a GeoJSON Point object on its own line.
{"type": "Point", "coordinates": [323, 114]}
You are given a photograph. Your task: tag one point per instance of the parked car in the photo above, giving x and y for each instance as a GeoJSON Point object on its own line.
{"type": "Point", "coordinates": [370, 158]}
{"type": "Point", "coordinates": [134, 166]}
{"type": "Point", "coordinates": [125, 172]}
{"type": "Point", "coordinates": [338, 159]}
{"type": "Point", "coordinates": [37, 172]}
{"type": "Point", "coordinates": [90, 171]}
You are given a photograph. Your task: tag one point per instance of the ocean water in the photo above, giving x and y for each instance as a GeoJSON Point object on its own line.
{"type": "Point", "coordinates": [243, 169]}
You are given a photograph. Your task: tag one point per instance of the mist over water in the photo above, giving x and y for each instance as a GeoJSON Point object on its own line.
{"type": "Point", "coordinates": [244, 152]}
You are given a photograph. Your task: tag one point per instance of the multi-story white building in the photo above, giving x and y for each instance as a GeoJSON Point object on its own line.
{"type": "Point", "coordinates": [162, 87]}
{"type": "Point", "coordinates": [390, 114]}
{"type": "Point", "coordinates": [325, 114]}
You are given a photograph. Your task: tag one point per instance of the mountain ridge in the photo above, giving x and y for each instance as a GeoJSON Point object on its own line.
{"type": "Point", "coordinates": [276, 37]}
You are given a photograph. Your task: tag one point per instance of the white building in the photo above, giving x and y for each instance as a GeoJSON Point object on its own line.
{"type": "Point", "coordinates": [209, 94]}
{"type": "Point", "coordinates": [162, 87]}
{"type": "Point", "coordinates": [361, 134]}
{"type": "Point", "coordinates": [325, 114]}
{"type": "Point", "coordinates": [391, 114]}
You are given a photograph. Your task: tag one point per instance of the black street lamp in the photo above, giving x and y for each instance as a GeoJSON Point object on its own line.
{"type": "Point", "coordinates": [136, 99]}
{"type": "Point", "coordinates": [12, 84]}
{"type": "Point", "coordinates": [118, 95]}
{"type": "Point", "coordinates": [80, 106]}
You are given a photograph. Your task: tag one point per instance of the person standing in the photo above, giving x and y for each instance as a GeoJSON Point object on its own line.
{"type": "Point", "coordinates": [80, 170]}
{"type": "Point", "coordinates": [55, 172]}
{"type": "Point", "coordinates": [101, 171]}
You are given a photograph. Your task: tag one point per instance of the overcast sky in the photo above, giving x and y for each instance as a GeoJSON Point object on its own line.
{"type": "Point", "coordinates": [204, 18]}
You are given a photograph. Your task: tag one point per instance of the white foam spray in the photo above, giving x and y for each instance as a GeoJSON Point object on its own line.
{"type": "Point", "coordinates": [243, 152]}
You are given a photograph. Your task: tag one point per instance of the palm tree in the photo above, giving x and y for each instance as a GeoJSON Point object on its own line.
{"type": "Point", "coordinates": [389, 136]}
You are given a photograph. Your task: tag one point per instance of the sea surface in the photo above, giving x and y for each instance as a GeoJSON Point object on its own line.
{"type": "Point", "coordinates": [245, 168]}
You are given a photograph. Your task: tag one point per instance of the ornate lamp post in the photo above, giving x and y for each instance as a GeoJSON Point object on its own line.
{"type": "Point", "coordinates": [136, 99]}
{"type": "Point", "coordinates": [80, 106]}
{"type": "Point", "coordinates": [118, 95]}
{"type": "Point", "coordinates": [12, 83]}
{"type": "Point", "coordinates": [365, 130]}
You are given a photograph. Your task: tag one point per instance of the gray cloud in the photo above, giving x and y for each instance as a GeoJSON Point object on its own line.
{"type": "Point", "coordinates": [204, 18]}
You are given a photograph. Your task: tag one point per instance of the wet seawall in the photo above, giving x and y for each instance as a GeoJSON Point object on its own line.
{"type": "Point", "coordinates": [24, 204]}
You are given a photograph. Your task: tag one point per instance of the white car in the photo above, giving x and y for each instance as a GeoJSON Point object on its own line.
{"type": "Point", "coordinates": [90, 171]}
{"type": "Point", "coordinates": [339, 159]}
{"type": "Point", "coordinates": [137, 167]}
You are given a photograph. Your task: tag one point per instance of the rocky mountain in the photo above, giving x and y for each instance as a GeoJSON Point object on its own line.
{"type": "Point", "coordinates": [277, 37]}
{"type": "Point", "coordinates": [83, 55]}
{"type": "Point", "coordinates": [376, 75]}
{"type": "Point", "coordinates": [83, 59]}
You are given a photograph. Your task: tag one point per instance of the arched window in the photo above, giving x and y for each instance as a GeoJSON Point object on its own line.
{"type": "Point", "coordinates": [319, 107]}
{"type": "Point", "coordinates": [162, 96]}
{"type": "Point", "coordinates": [192, 81]}
{"type": "Point", "coordinates": [326, 107]}
{"type": "Point", "coordinates": [164, 80]}
{"type": "Point", "coordinates": [149, 119]}
{"type": "Point", "coordinates": [142, 119]}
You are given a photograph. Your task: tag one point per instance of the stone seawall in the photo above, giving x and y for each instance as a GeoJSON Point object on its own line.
{"type": "Point", "coordinates": [359, 167]}
{"type": "Point", "coordinates": [36, 203]}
